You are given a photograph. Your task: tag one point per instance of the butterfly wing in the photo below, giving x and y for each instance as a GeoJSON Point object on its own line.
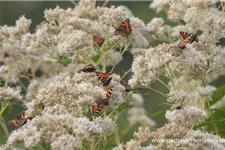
{"type": "Point", "coordinates": [88, 68]}
{"type": "Point", "coordinates": [22, 119]}
{"type": "Point", "coordinates": [124, 29]}
{"type": "Point", "coordinates": [17, 123]}
{"type": "Point", "coordinates": [104, 77]}
{"type": "Point", "coordinates": [99, 105]}
{"type": "Point", "coordinates": [184, 34]}
{"type": "Point", "coordinates": [98, 41]}
{"type": "Point", "coordinates": [108, 93]}
{"type": "Point", "coordinates": [187, 38]}
{"type": "Point", "coordinates": [127, 86]}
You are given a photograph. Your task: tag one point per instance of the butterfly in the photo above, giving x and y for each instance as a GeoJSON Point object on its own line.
{"type": "Point", "coordinates": [98, 41]}
{"type": "Point", "coordinates": [108, 93]}
{"type": "Point", "coordinates": [104, 77]}
{"type": "Point", "coordinates": [187, 38]}
{"type": "Point", "coordinates": [124, 29]}
{"type": "Point", "coordinates": [21, 120]}
{"type": "Point", "coordinates": [101, 103]}
{"type": "Point", "coordinates": [88, 68]}
{"type": "Point", "coordinates": [126, 85]}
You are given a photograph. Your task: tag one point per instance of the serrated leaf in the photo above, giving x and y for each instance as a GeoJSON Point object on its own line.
{"type": "Point", "coordinates": [7, 110]}
{"type": "Point", "coordinates": [218, 94]}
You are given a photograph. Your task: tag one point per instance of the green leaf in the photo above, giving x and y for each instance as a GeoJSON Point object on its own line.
{"type": "Point", "coordinates": [218, 94]}
{"type": "Point", "coordinates": [124, 106]}
{"type": "Point", "coordinates": [66, 61]}
{"type": "Point", "coordinates": [97, 57]}
{"type": "Point", "coordinates": [219, 121]}
{"type": "Point", "coordinates": [89, 114]}
{"type": "Point", "coordinates": [109, 47]}
{"type": "Point", "coordinates": [7, 110]}
{"type": "Point", "coordinates": [159, 114]}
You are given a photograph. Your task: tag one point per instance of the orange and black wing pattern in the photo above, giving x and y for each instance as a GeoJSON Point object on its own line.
{"type": "Point", "coordinates": [187, 38]}
{"type": "Point", "coordinates": [104, 77]}
{"type": "Point", "coordinates": [99, 105]}
{"type": "Point", "coordinates": [124, 29]}
{"type": "Point", "coordinates": [108, 93]}
{"type": "Point", "coordinates": [126, 85]}
{"type": "Point", "coordinates": [21, 120]}
{"type": "Point", "coordinates": [88, 68]}
{"type": "Point", "coordinates": [98, 41]}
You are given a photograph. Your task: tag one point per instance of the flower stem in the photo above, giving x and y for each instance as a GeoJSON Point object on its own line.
{"type": "Point", "coordinates": [212, 118]}
{"type": "Point", "coordinates": [157, 92]}
{"type": "Point", "coordinates": [210, 111]}
{"type": "Point", "coordinates": [163, 83]}
{"type": "Point", "coordinates": [4, 127]}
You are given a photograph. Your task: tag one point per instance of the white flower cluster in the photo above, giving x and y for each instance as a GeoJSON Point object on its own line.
{"type": "Point", "coordinates": [206, 91]}
{"type": "Point", "coordinates": [198, 60]}
{"type": "Point", "coordinates": [56, 128]}
{"type": "Point", "coordinates": [187, 116]}
{"type": "Point", "coordinates": [10, 95]}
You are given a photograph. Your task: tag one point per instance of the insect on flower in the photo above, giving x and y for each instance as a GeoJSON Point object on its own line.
{"type": "Point", "coordinates": [126, 85]}
{"type": "Point", "coordinates": [88, 68]}
{"type": "Point", "coordinates": [21, 120]}
{"type": "Point", "coordinates": [101, 103]}
{"type": "Point", "coordinates": [104, 77]}
{"type": "Point", "coordinates": [187, 38]}
{"type": "Point", "coordinates": [98, 41]}
{"type": "Point", "coordinates": [124, 29]}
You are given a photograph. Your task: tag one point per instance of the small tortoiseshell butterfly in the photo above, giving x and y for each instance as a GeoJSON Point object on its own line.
{"type": "Point", "coordinates": [124, 29]}
{"type": "Point", "coordinates": [104, 77]}
{"type": "Point", "coordinates": [187, 38]}
{"type": "Point", "coordinates": [126, 85]}
{"type": "Point", "coordinates": [108, 93]}
{"type": "Point", "coordinates": [98, 41]}
{"type": "Point", "coordinates": [88, 68]}
{"type": "Point", "coordinates": [22, 119]}
{"type": "Point", "coordinates": [101, 103]}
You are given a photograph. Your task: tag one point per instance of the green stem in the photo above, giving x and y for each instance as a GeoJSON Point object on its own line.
{"type": "Point", "coordinates": [4, 127]}
{"type": "Point", "coordinates": [117, 137]}
{"type": "Point", "coordinates": [126, 73]}
{"type": "Point", "coordinates": [158, 92]}
{"type": "Point", "coordinates": [171, 76]}
{"type": "Point", "coordinates": [124, 50]}
{"type": "Point", "coordinates": [163, 83]}
{"type": "Point", "coordinates": [212, 118]}
{"type": "Point", "coordinates": [210, 111]}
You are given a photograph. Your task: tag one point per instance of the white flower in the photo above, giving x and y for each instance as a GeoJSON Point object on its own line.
{"type": "Point", "coordinates": [186, 116]}
{"type": "Point", "coordinates": [10, 95]}
{"type": "Point", "coordinates": [206, 91]}
{"type": "Point", "coordinates": [107, 125]}
{"type": "Point", "coordinates": [66, 141]}
{"type": "Point", "coordinates": [136, 115]}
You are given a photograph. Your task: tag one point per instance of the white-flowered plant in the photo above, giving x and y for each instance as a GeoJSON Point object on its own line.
{"type": "Point", "coordinates": [59, 101]}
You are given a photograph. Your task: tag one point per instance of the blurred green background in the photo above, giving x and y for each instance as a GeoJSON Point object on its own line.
{"type": "Point", "coordinates": [10, 11]}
